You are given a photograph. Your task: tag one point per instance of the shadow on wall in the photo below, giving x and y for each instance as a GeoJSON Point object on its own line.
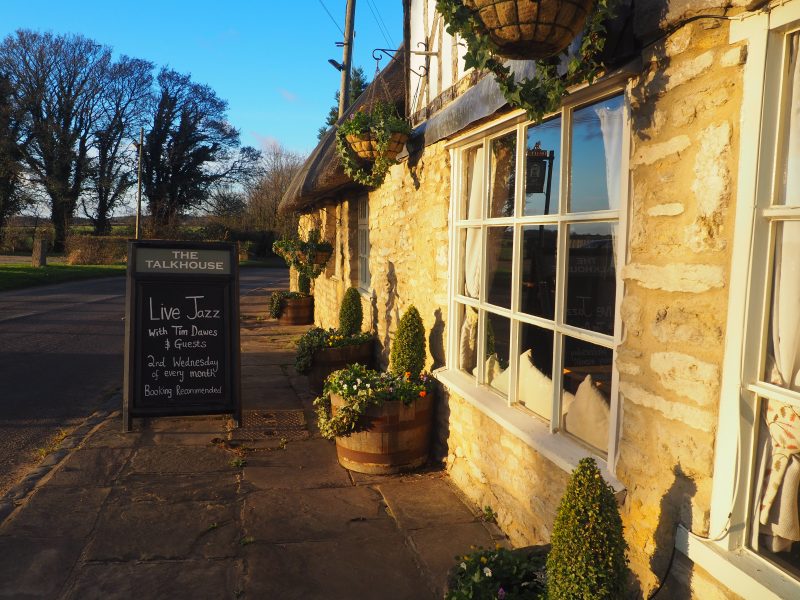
{"type": "Point", "coordinates": [436, 340]}
{"type": "Point", "coordinates": [392, 312]}
{"type": "Point", "coordinates": [675, 508]}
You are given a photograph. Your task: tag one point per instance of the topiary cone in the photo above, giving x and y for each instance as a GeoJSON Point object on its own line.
{"type": "Point", "coordinates": [588, 554]}
{"type": "Point", "coordinates": [351, 314]}
{"type": "Point", "coordinates": [408, 347]}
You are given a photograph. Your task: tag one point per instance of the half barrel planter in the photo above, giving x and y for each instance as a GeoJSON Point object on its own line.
{"type": "Point", "coordinates": [297, 311]}
{"type": "Point", "coordinates": [328, 360]}
{"type": "Point", "coordinates": [395, 438]}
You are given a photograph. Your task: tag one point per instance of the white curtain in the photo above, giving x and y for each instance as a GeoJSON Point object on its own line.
{"type": "Point", "coordinates": [611, 128]}
{"type": "Point", "coordinates": [472, 261]}
{"type": "Point", "coordinates": [778, 508]}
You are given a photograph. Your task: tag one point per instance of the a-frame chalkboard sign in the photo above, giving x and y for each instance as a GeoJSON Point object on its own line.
{"type": "Point", "coordinates": [181, 330]}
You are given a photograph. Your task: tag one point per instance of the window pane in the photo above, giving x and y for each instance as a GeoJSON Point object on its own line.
{"type": "Point", "coordinates": [790, 182]}
{"type": "Point", "coordinates": [535, 370]}
{"type": "Point", "coordinates": [783, 350]}
{"type": "Point", "coordinates": [467, 339]}
{"type": "Point", "coordinates": [471, 188]}
{"type": "Point", "coordinates": [587, 386]}
{"type": "Point", "coordinates": [498, 339]}
{"type": "Point", "coordinates": [537, 292]}
{"type": "Point", "coordinates": [499, 255]}
{"type": "Point", "coordinates": [591, 277]}
{"type": "Point", "coordinates": [596, 156]}
{"type": "Point", "coordinates": [542, 164]}
{"type": "Point", "coordinates": [471, 258]}
{"type": "Point", "coordinates": [502, 174]}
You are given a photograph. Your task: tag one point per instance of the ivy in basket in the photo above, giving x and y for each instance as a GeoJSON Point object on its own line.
{"type": "Point", "coordinates": [369, 141]}
{"type": "Point", "coordinates": [543, 92]}
{"type": "Point", "coordinates": [308, 257]}
{"type": "Point", "coordinates": [362, 388]}
{"type": "Point", "coordinates": [351, 317]}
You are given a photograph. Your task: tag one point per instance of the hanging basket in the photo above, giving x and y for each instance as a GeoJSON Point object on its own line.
{"type": "Point", "coordinates": [531, 29]}
{"type": "Point", "coordinates": [365, 145]}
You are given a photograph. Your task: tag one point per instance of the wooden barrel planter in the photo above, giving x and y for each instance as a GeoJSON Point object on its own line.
{"type": "Point", "coordinates": [328, 360]}
{"type": "Point", "coordinates": [530, 29]}
{"type": "Point", "coordinates": [397, 438]}
{"type": "Point", "coordinates": [366, 146]}
{"type": "Point", "coordinates": [297, 311]}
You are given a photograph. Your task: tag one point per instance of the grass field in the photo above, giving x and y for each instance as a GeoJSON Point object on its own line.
{"type": "Point", "coordinates": [16, 276]}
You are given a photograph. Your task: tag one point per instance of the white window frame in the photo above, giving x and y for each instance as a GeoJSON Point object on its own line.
{"type": "Point", "coordinates": [362, 231]}
{"type": "Point", "coordinates": [563, 450]}
{"type": "Point", "coordinates": [724, 553]}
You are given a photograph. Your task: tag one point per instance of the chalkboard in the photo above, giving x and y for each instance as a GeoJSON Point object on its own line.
{"type": "Point", "coordinates": [182, 330]}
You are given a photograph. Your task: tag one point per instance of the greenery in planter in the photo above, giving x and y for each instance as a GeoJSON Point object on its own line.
{"type": "Point", "coordinates": [277, 299]}
{"type": "Point", "coordinates": [542, 93]}
{"type": "Point", "coordinates": [301, 254]}
{"type": "Point", "coordinates": [362, 388]}
{"type": "Point", "coordinates": [351, 313]}
{"type": "Point", "coordinates": [500, 573]}
{"type": "Point", "coordinates": [317, 338]}
{"type": "Point", "coordinates": [588, 555]}
{"type": "Point", "coordinates": [381, 121]}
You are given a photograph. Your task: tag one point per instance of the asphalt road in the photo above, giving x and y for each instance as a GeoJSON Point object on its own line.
{"type": "Point", "coordinates": [61, 356]}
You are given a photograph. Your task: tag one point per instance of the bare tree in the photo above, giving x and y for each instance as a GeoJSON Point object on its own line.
{"type": "Point", "coordinates": [123, 106]}
{"type": "Point", "coordinates": [278, 167]}
{"type": "Point", "coordinates": [57, 82]}
{"type": "Point", "coordinates": [190, 149]}
{"type": "Point", "coordinates": [11, 165]}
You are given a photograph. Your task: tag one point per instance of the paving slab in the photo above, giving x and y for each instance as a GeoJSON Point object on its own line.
{"type": "Point", "coordinates": [110, 435]}
{"type": "Point", "coordinates": [302, 465]}
{"type": "Point", "coordinates": [91, 467]}
{"type": "Point", "coordinates": [57, 512]}
{"type": "Point", "coordinates": [39, 567]}
{"type": "Point", "coordinates": [179, 459]}
{"type": "Point", "coordinates": [278, 516]}
{"type": "Point", "coordinates": [336, 569]}
{"type": "Point", "coordinates": [147, 530]}
{"type": "Point", "coordinates": [195, 579]}
{"type": "Point", "coordinates": [195, 487]}
{"type": "Point", "coordinates": [424, 502]}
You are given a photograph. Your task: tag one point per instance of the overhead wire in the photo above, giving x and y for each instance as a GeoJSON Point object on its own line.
{"type": "Point", "coordinates": [325, 8]}
{"type": "Point", "coordinates": [379, 21]}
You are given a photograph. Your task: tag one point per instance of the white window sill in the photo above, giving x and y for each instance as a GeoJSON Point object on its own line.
{"type": "Point", "coordinates": [740, 571]}
{"type": "Point", "coordinates": [558, 449]}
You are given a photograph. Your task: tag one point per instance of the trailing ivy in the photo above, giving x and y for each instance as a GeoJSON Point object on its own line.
{"type": "Point", "coordinates": [541, 94]}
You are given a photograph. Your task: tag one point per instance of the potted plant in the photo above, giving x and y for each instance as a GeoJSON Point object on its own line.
{"type": "Point", "coordinates": [320, 351]}
{"type": "Point", "coordinates": [308, 257]}
{"type": "Point", "coordinates": [369, 141]}
{"type": "Point", "coordinates": [586, 557]}
{"type": "Point", "coordinates": [381, 421]}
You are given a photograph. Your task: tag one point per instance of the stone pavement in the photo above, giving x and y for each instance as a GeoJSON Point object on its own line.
{"type": "Point", "coordinates": [191, 508]}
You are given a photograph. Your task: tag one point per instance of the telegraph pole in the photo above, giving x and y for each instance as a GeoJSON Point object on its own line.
{"type": "Point", "coordinates": [347, 57]}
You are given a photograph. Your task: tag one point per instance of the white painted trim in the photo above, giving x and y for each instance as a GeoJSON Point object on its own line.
{"type": "Point", "coordinates": [742, 572]}
{"type": "Point", "coordinates": [558, 449]}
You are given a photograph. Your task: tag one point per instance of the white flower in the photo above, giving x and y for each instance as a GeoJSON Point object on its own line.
{"type": "Point", "coordinates": [487, 571]}
{"type": "Point", "coordinates": [367, 386]}
{"type": "Point", "coordinates": [464, 566]}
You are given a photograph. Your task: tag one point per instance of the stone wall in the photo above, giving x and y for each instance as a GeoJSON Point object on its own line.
{"type": "Point", "coordinates": [685, 112]}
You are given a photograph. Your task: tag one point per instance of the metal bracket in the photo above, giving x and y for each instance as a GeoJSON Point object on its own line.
{"type": "Point", "coordinates": [376, 54]}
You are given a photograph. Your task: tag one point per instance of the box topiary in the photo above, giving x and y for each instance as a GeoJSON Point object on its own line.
{"type": "Point", "coordinates": [588, 554]}
{"type": "Point", "coordinates": [408, 347]}
{"type": "Point", "coordinates": [351, 315]}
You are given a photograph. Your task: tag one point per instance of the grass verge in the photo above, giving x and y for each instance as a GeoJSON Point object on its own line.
{"type": "Point", "coordinates": [17, 276]}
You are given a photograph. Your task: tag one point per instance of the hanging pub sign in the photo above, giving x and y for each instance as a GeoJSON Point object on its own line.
{"type": "Point", "coordinates": [536, 169]}
{"type": "Point", "coordinates": [181, 330]}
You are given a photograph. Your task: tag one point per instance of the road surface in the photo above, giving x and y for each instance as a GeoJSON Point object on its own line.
{"type": "Point", "coordinates": [61, 356]}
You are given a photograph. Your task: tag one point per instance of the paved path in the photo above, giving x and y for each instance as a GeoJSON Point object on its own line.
{"type": "Point", "coordinates": [187, 508]}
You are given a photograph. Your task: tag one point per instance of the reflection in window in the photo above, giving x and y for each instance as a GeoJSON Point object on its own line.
{"type": "Point", "coordinates": [596, 156]}
{"type": "Point", "coordinates": [591, 277]}
{"type": "Point", "coordinates": [467, 339]}
{"type": "Point", "coordinates": [542, 164]}
{"type": "Point", "coordinates": [497, 343]}
{"type": "Point", "coordinates": [538, 284]}
{"type": "Point", "coordinates": [499, 255]}
{"type": "Point", "coordinates": [587, 385]}
{"type": "Point", "coordinates": [502, 168]}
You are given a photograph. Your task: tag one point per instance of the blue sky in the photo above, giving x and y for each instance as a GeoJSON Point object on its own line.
{"type": "Point", "coordinates": [268, 59]}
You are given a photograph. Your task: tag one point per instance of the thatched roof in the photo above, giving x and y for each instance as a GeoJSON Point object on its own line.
{"type": "Point", "coordinates": [322, 175]}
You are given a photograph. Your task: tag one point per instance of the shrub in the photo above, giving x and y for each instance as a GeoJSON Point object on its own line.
{"type": "Point", "coordinates": [351, 315]}
{"type": "Point", "coordinates": [96, 250]}
{"type": "Point", "coordinates": [587, 559]}
{"type": "Point", "coordinates": [408, 347]}
{"type": "Point", "coordinates": [276, 301]}
{"type": "Point", "coordinates": [317, 338]}
{"type": "Point", "coordinates": [498, 573]}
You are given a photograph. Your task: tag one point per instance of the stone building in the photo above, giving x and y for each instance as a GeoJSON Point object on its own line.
{"type": "Point", "coordinates": [631, 266]}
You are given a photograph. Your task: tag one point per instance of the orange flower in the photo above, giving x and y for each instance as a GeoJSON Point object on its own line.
{"type": "Point", "coordinates": [423, 393]}
{"type": "Point", "coordinates": [408, 374]}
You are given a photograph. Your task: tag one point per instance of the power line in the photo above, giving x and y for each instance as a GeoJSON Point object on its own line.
{"type": "Point", "coordinates": [322, 4]}
{"type": "Point", "coordinates": [379, 21]}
